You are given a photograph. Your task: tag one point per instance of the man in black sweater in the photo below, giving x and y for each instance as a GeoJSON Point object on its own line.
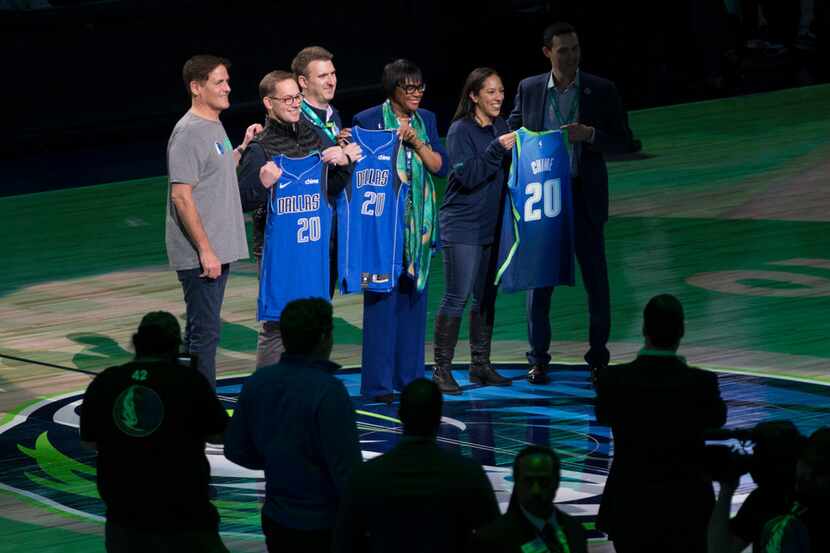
{"type": "Point", "coordinates": [286, 133]}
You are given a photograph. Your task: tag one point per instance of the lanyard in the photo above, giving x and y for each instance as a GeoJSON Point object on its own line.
{"type": "Point", "coordinates": [554, 98]}
{"type": "Point", "coordinates": [329, 128]}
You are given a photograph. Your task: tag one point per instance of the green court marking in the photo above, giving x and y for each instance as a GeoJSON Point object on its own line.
{"type": "Point", "coordinates": [377, 416]}
{"type": "Point", "coordinates": [16, 411]}
{"type": "Point", "coordinates": [45, 539]}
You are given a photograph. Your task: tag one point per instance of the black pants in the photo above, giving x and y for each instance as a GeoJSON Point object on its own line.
{"type": "Point", "coordinates": [589, 243]}
{"type": "Point", "coordinates": [280, 539]}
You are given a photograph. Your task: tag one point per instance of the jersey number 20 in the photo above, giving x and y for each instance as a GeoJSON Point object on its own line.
{"type": "Point", "coordinates": [549, 193]}
{"type": "Point", "coordinates": [373, 204]}
{"type": "Point", "coordinates": [309, 229]}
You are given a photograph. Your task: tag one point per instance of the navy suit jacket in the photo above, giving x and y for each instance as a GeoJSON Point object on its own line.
{"type": "Point", "coordinates": [599, 107]}
{"type": "Point", "coordinates": [372, 119]}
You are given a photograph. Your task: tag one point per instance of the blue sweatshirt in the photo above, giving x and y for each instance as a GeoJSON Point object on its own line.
{"type": "Point", "coordinates": [295, 420]}
{"type": "Point", "coordinates": [478, 175]}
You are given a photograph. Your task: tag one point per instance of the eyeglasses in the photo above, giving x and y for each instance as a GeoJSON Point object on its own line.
{"type": "Point", "coordinates": [289, 100]}
{"type": "Point", "coordinates": [413, 88]}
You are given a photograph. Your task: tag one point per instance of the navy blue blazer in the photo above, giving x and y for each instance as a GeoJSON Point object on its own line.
{"type": "Point", "coordinates": [372, 119]}
{"type": "Point", "coordinates": [599, 107]}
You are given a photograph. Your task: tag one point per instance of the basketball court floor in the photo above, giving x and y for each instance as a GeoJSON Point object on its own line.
{"type": "Point", "coordinates": [728, 208]}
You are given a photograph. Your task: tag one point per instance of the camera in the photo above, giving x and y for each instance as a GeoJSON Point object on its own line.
{"type": "Point", "coordinates": [767, 451]}
{"type": "Point", "coordinates": [726, 463]}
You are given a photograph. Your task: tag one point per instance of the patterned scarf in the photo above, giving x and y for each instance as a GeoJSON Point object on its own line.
{"type": "Point", "coordinates": [421, 224]}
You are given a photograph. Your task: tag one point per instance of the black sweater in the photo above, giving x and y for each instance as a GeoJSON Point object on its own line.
{"type": "Point", "coordinates": [279, 139]}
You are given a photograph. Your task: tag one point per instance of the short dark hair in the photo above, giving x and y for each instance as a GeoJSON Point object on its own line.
{"type": "Point", "coordinates": [307, 55]}
{"type": "Point", "coordinates": [304, 324]}
{"type": "Point", "coordinates": [270, 81]}
{"type": "Point", "coordinates": [473, 84]}
{"type": "Point", "coordinates": [536, 450]}
{"type": "Point", "coordinates": [556, 29]}
{"type": "Point", "coordinates": [158, 333]}
{"type": "Point", "coordinates": [663, 321]}
{"type": "Point", "coordinates": [399, 72]}
{"type": "Point", "coordinates": [198, 68]}
{"type": "Point", "coordinates": [420, 409]}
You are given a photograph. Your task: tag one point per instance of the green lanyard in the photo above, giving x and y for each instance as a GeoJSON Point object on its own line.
{"type": "Point", "coordinates": [329, 128]}
{"type": "Point", "coordinates": [563, 540]}
{"type": "Point", "coordinates": [554, 98]}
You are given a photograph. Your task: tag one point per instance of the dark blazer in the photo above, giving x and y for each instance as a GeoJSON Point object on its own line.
{"type": "Point", "coordinates": [417, 497]}
{"type": "Point", "coordinates": [510, 531]}
{"type": "Point", "coordinates": [658, 408]}
{"type": "Point", "coordinates": [372, 119]}
{"type": "Point", "coordinates": [599, 107]}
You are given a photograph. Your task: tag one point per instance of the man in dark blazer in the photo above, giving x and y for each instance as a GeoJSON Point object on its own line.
{"type": "Point", "coordinates": [589, 110]}
{"type": "Point", "coordinates": [531, 522]}
{"type": "Point", "coordinates": [658, 497]}
{"type": "Point", "coordinates": [417, 496]}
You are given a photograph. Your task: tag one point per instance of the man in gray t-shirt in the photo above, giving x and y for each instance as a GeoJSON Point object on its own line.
{"type": "Point", "coordinates": [205, 229]}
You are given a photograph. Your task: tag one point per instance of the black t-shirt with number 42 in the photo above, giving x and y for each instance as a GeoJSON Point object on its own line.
{"type": "Point", "coordinates": [150, 420]}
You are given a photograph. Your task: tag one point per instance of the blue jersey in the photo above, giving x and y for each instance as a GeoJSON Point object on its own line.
{"type": "Point", "coordinates": [536, 247]}
{"type": "Point", "coordinates": [295, 258]}
{"type": "Point", "coordinates": [370, 217]}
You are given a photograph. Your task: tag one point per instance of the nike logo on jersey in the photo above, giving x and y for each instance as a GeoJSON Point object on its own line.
{"type": "Point", "coordinates": [284, 184]}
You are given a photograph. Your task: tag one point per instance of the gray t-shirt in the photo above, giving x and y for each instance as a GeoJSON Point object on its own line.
{"type": "Point", "coordinates": [200, 154]}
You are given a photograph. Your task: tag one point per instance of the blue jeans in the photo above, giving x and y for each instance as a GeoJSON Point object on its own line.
{"type": "Point", "coordinates": [203, 298]}
{"type": "Point", "coordinates": [469, 270]}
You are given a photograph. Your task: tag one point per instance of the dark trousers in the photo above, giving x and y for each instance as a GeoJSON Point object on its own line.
{"type": "Point", "coordinates": [119, 539]}
{"type": "Point", "coordinates": [394, 328]}
{"type": "Point", "coordinates": [289, 540]}
{"type": "Point", "coordinates": [589, 243]}
{"type": "Point", "coordinates": [468, 271]}
{"type": "Point", "coordinates": [203, 298]}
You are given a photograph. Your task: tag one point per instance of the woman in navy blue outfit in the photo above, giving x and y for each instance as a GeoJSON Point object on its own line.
{"type": "Point", "coordinates": [479, 142]}
{"type": "Point", "coordinates": [394, 324]}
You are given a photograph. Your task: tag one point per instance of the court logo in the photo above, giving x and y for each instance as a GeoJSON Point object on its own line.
{"type": "Point", "coordinates": [41, 456]}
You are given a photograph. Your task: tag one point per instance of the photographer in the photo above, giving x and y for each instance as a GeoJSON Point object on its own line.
{"type": "Point", "coordinates": [788, 511]}
{"type": "Point", "coordinates": [149, 421]}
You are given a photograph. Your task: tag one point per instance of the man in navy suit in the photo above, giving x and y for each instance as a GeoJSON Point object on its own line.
{"type": "Point", "coordinates": [588, 108]}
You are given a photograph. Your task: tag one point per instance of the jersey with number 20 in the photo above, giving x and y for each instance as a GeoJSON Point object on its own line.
{"type": "Point", "coordinates": [370, 217]}
{"type": "Point", "coordinates": [295, 258]}
{"type": "Point", "coordinates": [536, 247]}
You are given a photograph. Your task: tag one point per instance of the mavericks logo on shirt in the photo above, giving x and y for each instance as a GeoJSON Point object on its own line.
{"type": "Point", "coordinates": [223, 148]}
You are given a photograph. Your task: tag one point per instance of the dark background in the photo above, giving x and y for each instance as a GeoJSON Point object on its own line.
{"type": "Point", "coordinates": [92, 89]}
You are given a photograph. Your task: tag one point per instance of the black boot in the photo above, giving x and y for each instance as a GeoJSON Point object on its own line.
{"type": "Point", "coordinates": [481, 371]}
{"type": "Point", "coordinates": [446, 336]}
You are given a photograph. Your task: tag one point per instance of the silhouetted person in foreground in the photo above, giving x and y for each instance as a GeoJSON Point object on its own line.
{"type": "Point", "coordinates": [295, 420]}
{"type": "Point", "coordinates": [531, 522]}
{"type": "Point", "coordinates": [149, 421]}
{"type": "Point", "coordinates": [658, 497]}
{"type": "Point", "coordinates": [417, 496]}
